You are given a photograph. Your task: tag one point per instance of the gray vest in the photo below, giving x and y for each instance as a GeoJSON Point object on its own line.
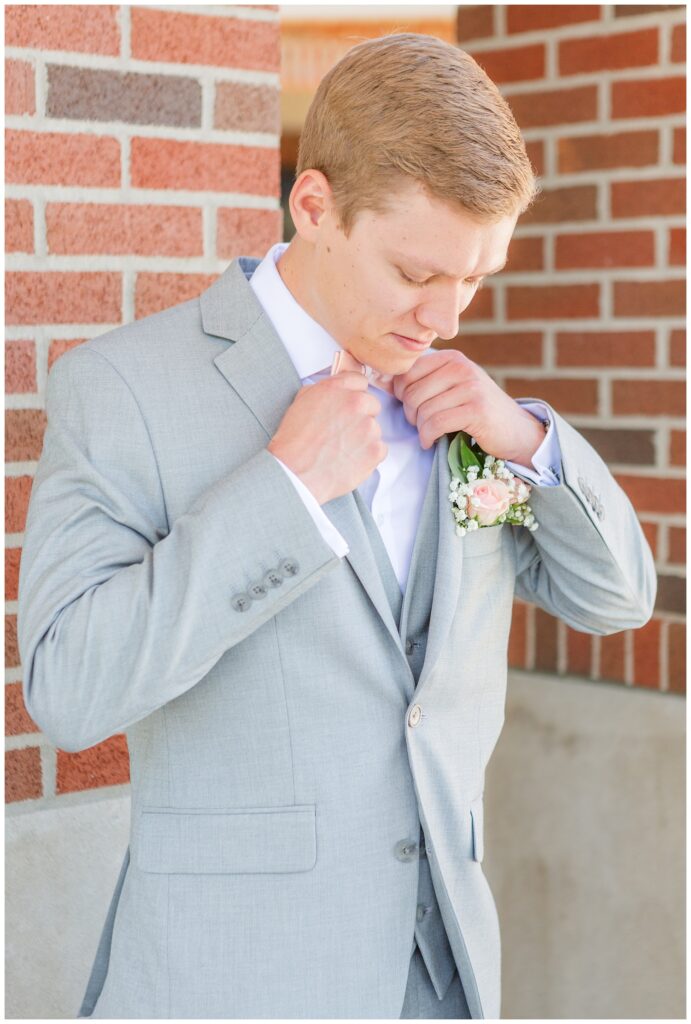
{"type": "Point", "coordinates": [411, 613]}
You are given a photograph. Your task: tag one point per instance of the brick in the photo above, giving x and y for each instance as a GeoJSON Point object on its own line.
{"type": "Point", "coordinates": [106, 764]}
{"type": "Point", "coordinates": [247, 108]}
{"type": "Point", "coordinates": [17, 718]}
{"type": "Point", "coordinates": [676, 247]}
{"type": "Point", "coordinates": [11, 646]}
{"type": "Point", "coordinates": [61, 297]}
{"type": "Point", "coordinates": [654, 494]}
{"type": "Point", "coordinates": [602, 152]}
{"type": "Point", "coordinates": [579, 650]}
{"type": "Point", "coordinates": [659, 197]}
{"type": "Point", "coordinates": [555, 106]}
{"type": "Point", "coordinates": [677, 348]}
{"type": "Point", "coordinates": [609, 52]}
{"type": "Point", "coordinates": [23, 778]}
{"type": "Point", "coordinates": [676, 545]}
{"type": "Point", "coordinates": [154, 292]}
{"type": "Point", "coordinates": [247, 232]}
{"type": "Point", "coordinates": [651, 533]}
{"type": "Point", "coordinates": [629, 447]}
{"type": "Point", "coordinates": [646, 654]}
{"type": "Point", "coordinates": [550, 302]}
{"type": "Point", "coordinates": [202, 39]}
{"type": "Point", "coordinates": [88, 95]}
{"type": "Point", "coordinates": [54, 158]}
{"type": "Point", "coordinates": [651, 97]}
{"type": "Point", "coordinates": [535, 150]}
{"type": "Point", "coordinates": [19, 225]}
{"type": "Point", "coordinates": [648, 397]}
{"type": "Point", "coordinates": [676, 640]}
{"type": "Point", "coordinates": [24, 429]}
{"type": "Point", "coordinates": [634, 10]}
{"type": "Point", "coordinates": [474, 22]}
{"type": "Point", "coordinates": [514, 64]}
{"type": "Point", "coordinates": [17, 493]}
{"type": "Point", "coordinates": [565, 394]}
{"type": "Point", "coordinates": [510, 349]}
{"type": "Point", "coordinates": [679, 146]}
{"type": "Point", "coordinates": [671, 594]}
{"type": "Point", "coordinates": [20, 367]}
{"type": "Point", "coordinates": [678, 48]}
{"type": "Point", "coordinates": [81, 28]}
{"type": "Point", "coordinates": [556, 205]}
{"type": "Point", "coordinates": [605, 249]}
{"type": "Point", "coordinates": [59, 346]}
{"type": "Point", "coordinates": [649, 298]}
{"type": "Point", "coordinates": [204, 166]}
{"type": "Point", "coordinates": [677, 448]}
{"type": "Point", "coordinates": [121, 229]}
{"type": "Point", "coordinates": [482, 305]}
{"type": "Point", "coordinates": [20, 91]}
{"type": "Point", "coordinates": [545, 642]}
{"type": "Point", "coordinates": [526, 254]}
{"type": "Point", "coordinates": [535, 17]}
{"type": "Point", "coordinates": [517, 636]}
{"type": "Point", "coordinates": [612, 657]}
{"type": "Point", "coordinates": [12, 560]}
{"type": "Point", "coordinates": [605, 348]}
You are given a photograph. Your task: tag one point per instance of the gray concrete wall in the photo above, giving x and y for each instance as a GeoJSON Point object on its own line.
{"type": "Point", "coordinates": [584, 852]}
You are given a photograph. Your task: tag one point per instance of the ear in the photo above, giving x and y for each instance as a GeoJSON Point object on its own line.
{"type": "Point", "coordinates": [310, 200]}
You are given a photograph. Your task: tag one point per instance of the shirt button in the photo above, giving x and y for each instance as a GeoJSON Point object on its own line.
{"type": "Point", "coordinates": [415, 715]}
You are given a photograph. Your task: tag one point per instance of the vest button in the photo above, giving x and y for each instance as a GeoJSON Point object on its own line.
{"type": "Point", "coordinates": [415, 715]}
{"type": "Point", "coordinates": [406, 849]}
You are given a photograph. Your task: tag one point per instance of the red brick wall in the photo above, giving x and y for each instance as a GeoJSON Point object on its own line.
{"type": "Point", "coordinates": [142, 154]}
{"type": "Point", "coordinates": [589, 312]}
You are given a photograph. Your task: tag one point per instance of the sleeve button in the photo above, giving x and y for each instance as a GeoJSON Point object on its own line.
{"type": "Point", "coordinates": [289, 567]}
{"type": "Point", "coordinates": [241, 602]}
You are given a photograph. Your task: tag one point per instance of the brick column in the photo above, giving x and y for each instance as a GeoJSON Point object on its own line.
{"type": "Point", "coordinates": [589, 312]}
{"type": "Point", "coordinates": [142, 154]}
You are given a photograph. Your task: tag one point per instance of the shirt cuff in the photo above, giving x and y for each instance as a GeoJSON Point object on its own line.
{"type": "Point", "coordinates": [546, 468]}
{"type": "Point", "coordinates": [327, 529]}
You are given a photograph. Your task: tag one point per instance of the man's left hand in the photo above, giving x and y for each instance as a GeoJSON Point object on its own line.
{"type": "Point", "coordinates": [446, 392]}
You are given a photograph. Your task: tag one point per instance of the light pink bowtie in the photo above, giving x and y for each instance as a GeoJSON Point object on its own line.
{"type": "Point", "coordinates": [343, 360]}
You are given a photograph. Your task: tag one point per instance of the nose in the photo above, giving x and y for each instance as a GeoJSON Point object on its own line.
{"type": "Point", "coordinates": [440, 311]}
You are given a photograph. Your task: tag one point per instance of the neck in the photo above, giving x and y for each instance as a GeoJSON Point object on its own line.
{"type": "Point", "coordinates": [295, 266]}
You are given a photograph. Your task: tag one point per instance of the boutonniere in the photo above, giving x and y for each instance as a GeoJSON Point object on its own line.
{"type": "Point", "coordinates": [483, 491]}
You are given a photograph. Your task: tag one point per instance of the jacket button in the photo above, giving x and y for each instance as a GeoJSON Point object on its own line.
{"type": "Point", "coordinates": [257, 591]}
{"type": "Point", "coordinates": [406, 850]}
{"type": "Point", "coordinates": [415, 715]}
{"type": "Point", "coordinates": [289, 567]}
{"type": "Point", "coordinates": [421, 912]}
{"type": "Point", "coordinates": [273, 578]}
{"type": "Point", "coordinates": [241, 602]}
{"type": "Point", "coordinates": [409, 646]}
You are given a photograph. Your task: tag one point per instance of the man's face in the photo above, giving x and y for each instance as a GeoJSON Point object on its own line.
{"type": "Point", "coordinates": [360, 291]}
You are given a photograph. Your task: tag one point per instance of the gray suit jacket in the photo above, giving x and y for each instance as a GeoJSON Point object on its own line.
{"type": "Point", "coordinates": [279, 766]}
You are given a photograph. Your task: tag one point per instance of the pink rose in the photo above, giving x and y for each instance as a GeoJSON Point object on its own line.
{"type": "Point", "coordinates": [489, 500]}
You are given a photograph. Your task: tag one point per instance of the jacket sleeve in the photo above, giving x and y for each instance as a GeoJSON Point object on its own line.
{"type": "Point", "coordinates": [588, 562]}
{"type": "Point", "coordinates": [118, 613]}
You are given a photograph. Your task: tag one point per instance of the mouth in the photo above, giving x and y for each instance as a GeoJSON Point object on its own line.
{"type": "Point", "coordinates": [412, 343]}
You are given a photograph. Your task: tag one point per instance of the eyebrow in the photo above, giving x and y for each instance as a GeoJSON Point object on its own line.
{"type": "Point", "coordinates": [412, 262]}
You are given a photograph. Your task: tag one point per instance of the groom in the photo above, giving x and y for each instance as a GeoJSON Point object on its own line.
{"type": "Point", "coordinates": [250, 565]}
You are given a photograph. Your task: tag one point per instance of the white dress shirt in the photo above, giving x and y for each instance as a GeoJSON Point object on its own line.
{"type": "Point", "coordinates": [395, 490]}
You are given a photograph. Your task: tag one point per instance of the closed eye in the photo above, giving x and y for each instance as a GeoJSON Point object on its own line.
{"type": "Point", "coordinates": [473, 282]}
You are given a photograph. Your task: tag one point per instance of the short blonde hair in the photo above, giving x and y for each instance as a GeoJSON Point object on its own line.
{"type": "Point", "coordinates": [408, 106]}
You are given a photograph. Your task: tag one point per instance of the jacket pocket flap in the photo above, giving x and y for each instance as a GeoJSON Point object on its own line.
{"type": "Point", "coordinates": [244, 840]}
{"type": "Point", "coordinates": [476, 812]}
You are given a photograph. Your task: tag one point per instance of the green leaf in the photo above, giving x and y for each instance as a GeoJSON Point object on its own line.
{"type": "Point", "coordinates": [454, 459]}
{"type": "Point", "coordinates": [468, 456]}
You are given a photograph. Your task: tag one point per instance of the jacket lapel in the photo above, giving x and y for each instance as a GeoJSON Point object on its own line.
{"type": "Point", "coordinates": [259, 369]}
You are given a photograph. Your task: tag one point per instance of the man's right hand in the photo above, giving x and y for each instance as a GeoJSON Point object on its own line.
{"type": "Point", "coordinates": [329, 436]}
